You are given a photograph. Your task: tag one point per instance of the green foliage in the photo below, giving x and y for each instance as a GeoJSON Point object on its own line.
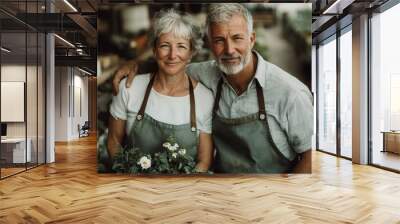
{"type": "Point", "coordinates": [302, 21]}
{"type": "Point", "coordinates": [102, 154]}
{"type": "Point", "coordinates": [170, 160]}
{"type": "Point", "coordinates": [262, 49]}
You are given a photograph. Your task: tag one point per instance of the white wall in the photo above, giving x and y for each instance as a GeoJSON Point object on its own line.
{"type": "Point", "coordinates": [33, 126]}
{"type": "Point", "coordinates": [70, 83]}
{"type": "Point", "coordinates": [12, 73]}
{"type": "Point", "coordinates": [80, 87]}
{"type": "Point", "coordinates": [12, 101]}
{"type": "Point", "coordinates": [61, 103]}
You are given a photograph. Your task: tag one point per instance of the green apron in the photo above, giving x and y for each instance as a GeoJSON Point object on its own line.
{"type": "Point", "coordinates": [148, 134]}
{"type": "Point", "coordinates": [245, 145]}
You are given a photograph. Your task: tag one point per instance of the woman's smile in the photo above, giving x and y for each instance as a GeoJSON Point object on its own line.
{"type": "Point", "coordinates": [172, 63]}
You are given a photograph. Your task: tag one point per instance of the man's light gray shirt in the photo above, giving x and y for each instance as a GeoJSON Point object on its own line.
{"type": "Point", "coordinates": [288, 102]}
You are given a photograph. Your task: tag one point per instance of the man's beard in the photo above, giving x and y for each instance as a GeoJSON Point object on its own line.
{"type": "Point", "coordinates": [233, 69]}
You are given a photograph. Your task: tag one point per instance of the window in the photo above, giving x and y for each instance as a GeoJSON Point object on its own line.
{"type": "Point", "coordinates": [385, 87]}
{"type": "Point", "coordinates": [22, 74]}
{"type": "Point", "coordinates": [346, 93]}
{"type": "Point", "coordinates": [327, 96]}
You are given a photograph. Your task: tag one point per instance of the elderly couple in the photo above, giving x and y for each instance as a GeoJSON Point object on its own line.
{"type": "Point", "coordinates": [258, 118]}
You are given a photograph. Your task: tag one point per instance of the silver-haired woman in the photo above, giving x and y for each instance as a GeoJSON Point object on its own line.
{"type": "Point", "coordinates": [168, 102]}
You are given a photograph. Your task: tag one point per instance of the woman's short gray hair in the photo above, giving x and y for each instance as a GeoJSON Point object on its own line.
{"type": "Point", "coordinates": [167, 21]}
{"type": "Point", "coordinates": [223, 12]}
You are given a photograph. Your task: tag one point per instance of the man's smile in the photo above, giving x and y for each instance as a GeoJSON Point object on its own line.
{"type": "Point", "coordinates": [230, 60]}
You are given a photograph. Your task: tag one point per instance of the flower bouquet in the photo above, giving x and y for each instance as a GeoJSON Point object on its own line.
{"type": "Point", "coordinates": [172, 159]}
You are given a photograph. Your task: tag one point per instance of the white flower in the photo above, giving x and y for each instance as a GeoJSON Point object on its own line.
{"type": "Point", "coordinates": [174, 147]}
{"type": "Point", "coordinates": [144, 162]}
{"type": "Point", "coordinates": [174, 155]}
{"type": "Point", "coordinates": [171, 147]}
{"type": "Point", "coordinates": [182, 152]}
{"type": "Point", "coordinates": [167, 145]}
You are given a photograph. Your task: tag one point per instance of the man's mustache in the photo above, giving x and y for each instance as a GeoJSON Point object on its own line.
{"type": "Point", "coordinates": [229, 57]}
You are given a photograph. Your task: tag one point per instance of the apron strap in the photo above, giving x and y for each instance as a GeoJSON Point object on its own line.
{"type": "Point", "coordinates": [192, 107]}
{"type": "Point", "coordinates": [146, 97]}
{"type": "Point", "coordinates": [262, 114]}
{"type": "Point", "coordinates": [260, 99]}
{"type": "Point", "coordinates": [217, 97]}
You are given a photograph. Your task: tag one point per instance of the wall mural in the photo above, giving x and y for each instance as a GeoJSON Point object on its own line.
{"type": "Point", "coordinates": [212, 88]}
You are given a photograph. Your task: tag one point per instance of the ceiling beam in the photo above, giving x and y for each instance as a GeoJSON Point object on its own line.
{"type": "Point", "coordinates": [82, 61]}
{"type": "Point", "coordinates": [84, 24]}
{"type": "Point", "coordinates": [337, 7]}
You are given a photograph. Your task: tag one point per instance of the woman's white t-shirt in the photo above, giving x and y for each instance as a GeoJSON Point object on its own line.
{"type": "Point", "coordinates": [166, 109]}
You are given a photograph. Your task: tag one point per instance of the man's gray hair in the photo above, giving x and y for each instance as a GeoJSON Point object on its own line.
{"type": "Point", "coordinates": [167, 21]}
{"type": "Point", "coordinates": [223, 12]}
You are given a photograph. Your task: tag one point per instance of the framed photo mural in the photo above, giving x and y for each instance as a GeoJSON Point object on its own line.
{"type": "Point", "coordinates": [204, 88]}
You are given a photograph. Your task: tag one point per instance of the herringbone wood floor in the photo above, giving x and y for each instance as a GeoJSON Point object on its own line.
{"type": "Point", "coordinates": [70, 191]}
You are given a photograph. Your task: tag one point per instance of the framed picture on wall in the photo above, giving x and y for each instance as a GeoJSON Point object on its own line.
{"type": "Point", "coordinates": [212, 91]}
{"type": "Point", "coordinates": [12, 101]}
